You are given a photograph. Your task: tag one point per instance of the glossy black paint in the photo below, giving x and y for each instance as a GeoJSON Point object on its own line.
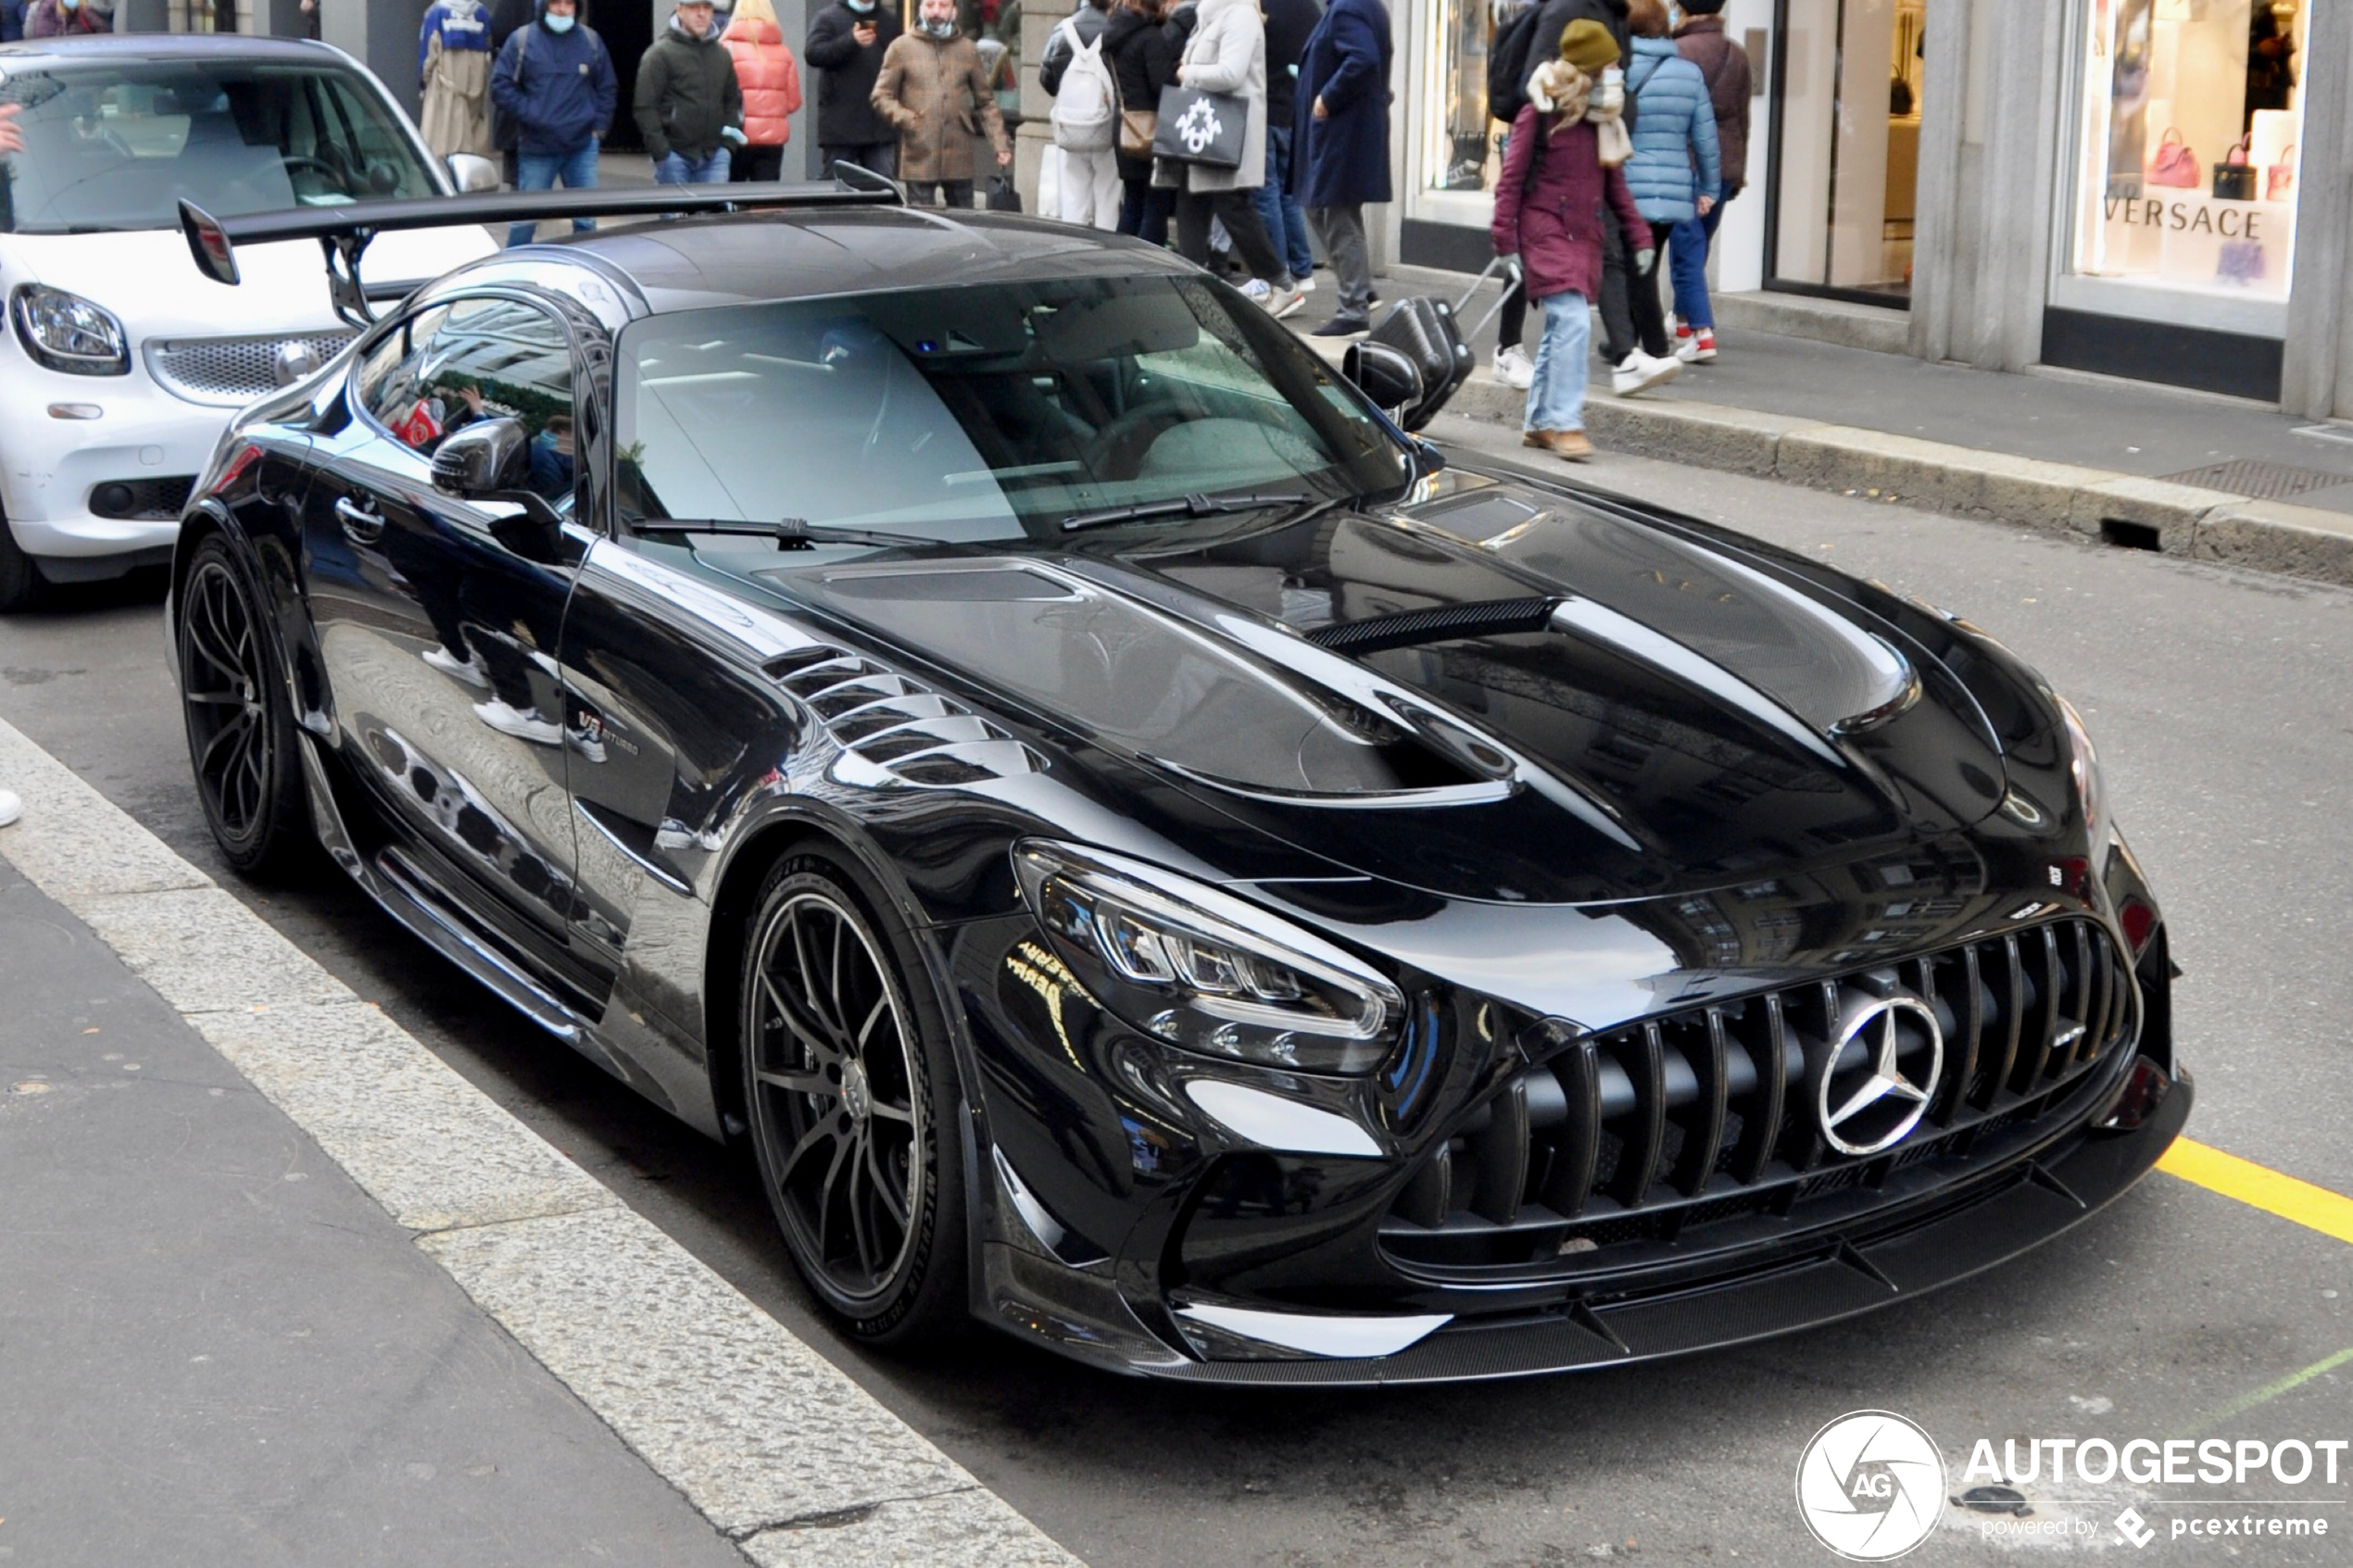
{"type": "Point", "coordinates": [1721, 768]}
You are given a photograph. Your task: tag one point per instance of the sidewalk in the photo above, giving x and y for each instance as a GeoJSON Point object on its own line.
{"type": "Point", "coordinates": [216, 1350]}
{"type": "Point", "coordinates": [2141, 466]}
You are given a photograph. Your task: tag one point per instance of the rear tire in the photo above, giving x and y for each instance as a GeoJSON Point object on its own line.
{"type": "Point", "coordinates": [241, 731]}
{"type": "Point", "coordinates": [854, 1104]}
{"type": "Point", "coordinates": [21, 585]}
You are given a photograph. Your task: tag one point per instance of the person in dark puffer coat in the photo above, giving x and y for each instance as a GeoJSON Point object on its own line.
{"type": "Point", "coordinates": [845, 46]}
{"type": "Point", "coordinates": [1674, 173]}
{"type": "Point", "coordinates": [1703, 41]}
{"type": "Point", "coordinates": [1142, 62]}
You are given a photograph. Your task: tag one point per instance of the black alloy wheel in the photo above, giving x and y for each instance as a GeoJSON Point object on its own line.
{"type": "Point", "coordinates": [851, 1097]}
{"type": "Point", "coordinates": [241, 740]}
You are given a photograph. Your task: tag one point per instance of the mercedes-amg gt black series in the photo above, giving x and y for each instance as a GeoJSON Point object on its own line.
{"type": "Point", "coordinates": [1144, 851]}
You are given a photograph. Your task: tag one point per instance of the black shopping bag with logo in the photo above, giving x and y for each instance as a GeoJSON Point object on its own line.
{"type": "Point", "coordinates": [1198, 127]}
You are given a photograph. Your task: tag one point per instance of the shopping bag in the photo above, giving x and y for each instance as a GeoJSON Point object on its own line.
{"type": "Point", "coordinates": [1198, 127]}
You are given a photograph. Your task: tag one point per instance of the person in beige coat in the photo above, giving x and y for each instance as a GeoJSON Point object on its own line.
{"type": "Point", "coordinates": [934, 88]}
{"type": "Point", "coordinates": [1226, 55]}
{"type": "Point", "coordinates": [453, 69]}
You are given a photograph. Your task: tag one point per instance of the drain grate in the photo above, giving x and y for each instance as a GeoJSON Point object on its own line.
{"type": "Point", "coordinates": [2267, 482]}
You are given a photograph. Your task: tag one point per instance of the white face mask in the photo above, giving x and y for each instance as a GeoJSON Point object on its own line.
{"type": "Point", "coordinates": [939, 27]}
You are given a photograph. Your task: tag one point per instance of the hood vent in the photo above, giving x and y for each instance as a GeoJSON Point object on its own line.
{"type": "Point", "coordinates": [893, 730]}
{"type": "Point", "coordinates": [1410, 628]}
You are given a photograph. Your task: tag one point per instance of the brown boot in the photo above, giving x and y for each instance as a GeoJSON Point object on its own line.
{"type": "Point", "coordinates": [1568, 444]}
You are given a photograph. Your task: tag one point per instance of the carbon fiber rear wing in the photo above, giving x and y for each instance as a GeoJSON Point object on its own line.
{"type": "Point", "coordinates": [344, 232]}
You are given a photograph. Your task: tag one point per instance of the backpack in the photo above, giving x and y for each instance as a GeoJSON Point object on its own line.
{"type": "Point", "coordinates": [1086, 114]}
{"type": "Point", "coordinates": [1507, 65]}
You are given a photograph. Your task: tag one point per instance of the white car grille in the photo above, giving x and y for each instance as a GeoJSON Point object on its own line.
{"type": "Point", "coordinates": [230, 371]}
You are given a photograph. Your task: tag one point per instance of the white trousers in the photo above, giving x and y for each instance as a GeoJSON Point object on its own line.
{"type": "Point", "coordinates": [1091, 188]}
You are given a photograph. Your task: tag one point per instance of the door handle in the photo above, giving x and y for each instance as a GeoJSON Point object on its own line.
{"type": "Point", "coordinates": [363, 526]}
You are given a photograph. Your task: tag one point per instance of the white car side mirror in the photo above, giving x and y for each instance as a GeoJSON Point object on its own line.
{"type": "Point", "coordinates": [472, 172]}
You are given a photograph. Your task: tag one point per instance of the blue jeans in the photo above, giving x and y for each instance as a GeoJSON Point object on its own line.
{"type": "Point", "coordinates": [540, 172]}
{"type": "Point", "coordinates": [1286, 224]}
{"type": "Point", "coordinates": [1557, 397]}
{"type": "Point", "coordinates": [1687, 264]}
{"type": "Point", "coordinates": [676, 168]}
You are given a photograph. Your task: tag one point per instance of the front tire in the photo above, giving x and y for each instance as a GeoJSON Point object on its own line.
{"type": "Point", "coordinates": [240, 732]}
{"type": "Point", "coordinates": [854, 1104]}
{"type": "Point", "coordinates": [21, 585]}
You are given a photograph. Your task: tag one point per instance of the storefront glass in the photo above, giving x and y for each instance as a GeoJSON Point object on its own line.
{"type": "Point", "coordinates": [1459, 151]}
{"type": "Point", "coordinates": [2187, 171]}
{"type": "Point", "coordinates": [1847, 140]}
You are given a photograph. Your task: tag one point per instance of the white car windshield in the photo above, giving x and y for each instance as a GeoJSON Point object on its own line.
{"type": "Point", "coordinates": [113, 146]}
{"type": "Point", "coordinates": [994, 411]}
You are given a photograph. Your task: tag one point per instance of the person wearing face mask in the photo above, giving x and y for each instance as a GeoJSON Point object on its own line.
{"type": "Point", "coordinates": [555, 82]}
{"type": "Point", "coordinates": [688, 104]}
{"type": "Point", "coordinates": [935, 90]}
{"type": "Point", "coordinates": [845, 46]}
{"type": "Point", "coordinates": [65, 19]}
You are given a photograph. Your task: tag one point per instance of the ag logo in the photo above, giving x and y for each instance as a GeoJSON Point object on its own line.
{"type": "Point", "coordinates": [1199, 126]}
{"type": "Point", "coordinates": [1871, 1486]}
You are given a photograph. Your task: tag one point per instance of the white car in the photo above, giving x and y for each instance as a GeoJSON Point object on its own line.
{"type": "Point", "coordinates": [120, 364]}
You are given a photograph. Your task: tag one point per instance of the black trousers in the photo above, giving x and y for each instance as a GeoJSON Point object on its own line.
{"type": "Point", "coordinates": [1240, 214]}
{"type": "Point", "coordinates": [940, 192]}
{"type": "Point", "coordinates": [760, 165]}
{"type": "Point", "coordinates": [1641, 290]}
{"type": "Point", "coordinates": [1144, 209]}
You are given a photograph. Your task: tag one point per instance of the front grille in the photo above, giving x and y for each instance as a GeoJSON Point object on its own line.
{"type": "Point", "coordinates": [901, 731]}
{"type": "Point", "coordinates": [230, 371]}
{"type": "Point", "coordinates": [1660, 1126]}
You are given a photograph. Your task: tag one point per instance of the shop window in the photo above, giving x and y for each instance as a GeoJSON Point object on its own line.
{"type": "Point", "coordinates": [2192, 111]}
{"type": "Point", "coordinates": [1847, 140]}
{"type": "Point", "coordinates": [1461, 144]}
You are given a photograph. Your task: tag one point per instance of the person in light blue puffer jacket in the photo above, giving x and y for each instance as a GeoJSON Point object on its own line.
{"type": "Point", "coordinates": [1674, 172]}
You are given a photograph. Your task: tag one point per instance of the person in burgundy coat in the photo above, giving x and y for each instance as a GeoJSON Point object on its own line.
{"type": "Point", "coordinates": [1549, 213]}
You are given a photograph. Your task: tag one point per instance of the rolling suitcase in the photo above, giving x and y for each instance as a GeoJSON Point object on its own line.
{"type": "Point", "coordinates": [1429, 332]}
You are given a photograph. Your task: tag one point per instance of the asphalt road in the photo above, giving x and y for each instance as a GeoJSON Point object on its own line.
{"type": "Point", "coordinates": [2224, 704]}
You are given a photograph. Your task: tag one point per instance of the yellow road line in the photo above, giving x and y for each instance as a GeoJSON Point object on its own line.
{"type": "Point", "coordinates": [2317, 1208]}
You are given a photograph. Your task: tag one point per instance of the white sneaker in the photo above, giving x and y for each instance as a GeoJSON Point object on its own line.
{"type": "Point", "coordinates": [1640, 372]}
{"type": "Point", "coordinates": [11, 807]}
{"type": "Point", "coordinates": [468, 672]}
{"type": "Point", "coordinates": [1307, 285]}
{"type": "Point", "coordinates": [524, 724]}
{"type": "Point", "coordinates": [1281, 299]}
{"type": "Point", "coordinates": [1515, 369]}
{"type": "Point", "coordinates": [1258, 291]}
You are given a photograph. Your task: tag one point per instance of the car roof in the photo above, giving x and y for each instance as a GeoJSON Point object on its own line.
{"type": "Point", "coordinates": [117, 46]}
{"type": "Point", "coordinates": [806, 253]}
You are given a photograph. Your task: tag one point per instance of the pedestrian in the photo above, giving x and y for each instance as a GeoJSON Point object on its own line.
{"type": "Point", "coordinates": [1143, 61]}
{"type": "Point", "coordinates": [688, 104]}
{"type": "Point", "coordinates": [555, 80]}
{"type": "Point", "coordinates": [1288, 25]}
{"type": "Point", "coordinates": [1076, 73]}
{"type": "Point", "coordinates": [66, 19]}
{"type": "Point", "coordinates": [845, 46]}
{"type": "Point", "coordinates": [1674, 175]}
{"type": "Point", "coordinates": [935, 90]}
{"type": "Point", "coordinates": [11, 21]}
{"type": "Point", "coordinates": [1724, 63]}
{"type": "Point", "coordinates": [507, 19]}
{"type": "Point", "coordinates": [1343, 137]}
{"type": "Point", "coordinates": [1226, 55]}
{"type": "Point", "coordinates": [770, 78]}
{"type": "Point", "coordinates": [453, 70]}
{"type": "Point", "coordinates": [1548, 204]}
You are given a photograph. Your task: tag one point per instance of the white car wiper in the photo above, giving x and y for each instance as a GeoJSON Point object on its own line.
{"type": "Point", "coordinates": [790, 532]}
{"type": "Point", "coordinates": [1183, 506]}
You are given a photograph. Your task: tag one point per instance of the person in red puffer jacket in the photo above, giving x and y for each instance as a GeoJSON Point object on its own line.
{"type": "Point", "coordinates": [770, 80]}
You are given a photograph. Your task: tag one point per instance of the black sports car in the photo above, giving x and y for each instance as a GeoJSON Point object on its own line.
{"type": "Point", "coordinates": [1146, 852]}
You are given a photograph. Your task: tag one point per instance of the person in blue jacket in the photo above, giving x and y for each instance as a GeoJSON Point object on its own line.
{"type": "Point", "coordinates": [1674, 172]}
{"type": "Point", "coordinates": [554, 82]}
{"type": "Point", "coordinates": [1340, 147]}
{"type": "Point", "coordinates": [11, 21]}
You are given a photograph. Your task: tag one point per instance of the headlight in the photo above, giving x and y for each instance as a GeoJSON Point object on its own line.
{"type": "Point", "coordinates": [2083, 764]}
{"type": "Point", "coordinates": [67, 333]}
{"type": "Point", "coordinates": [1206, 970]}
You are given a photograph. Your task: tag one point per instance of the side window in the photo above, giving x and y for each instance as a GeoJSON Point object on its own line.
{"type": "Point", "coordinates": [482, 359]}
{"type": "Point", "coordinates": [387, 380]}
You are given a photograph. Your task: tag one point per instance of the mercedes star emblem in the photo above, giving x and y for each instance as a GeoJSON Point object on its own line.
{"type": "Point", "coordinates": [1869, 1104]}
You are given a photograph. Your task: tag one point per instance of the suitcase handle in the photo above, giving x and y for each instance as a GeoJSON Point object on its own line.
{"type": "Point", "coordinates": [1471, 293]}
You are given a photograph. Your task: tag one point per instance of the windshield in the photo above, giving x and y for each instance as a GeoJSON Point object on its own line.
{"type": "Point", "coordinates": [984, 413]}
{"type": "Point", "coordinates": [112, 146]}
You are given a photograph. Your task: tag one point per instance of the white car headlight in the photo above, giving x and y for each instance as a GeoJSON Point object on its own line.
{"type": "Point", "coordinates": [1204, 970]}
{"type": "Point", "coordinates": [68, 332]}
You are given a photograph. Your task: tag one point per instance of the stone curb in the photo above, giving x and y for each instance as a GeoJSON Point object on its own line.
{"type": "Point", "coordinates": [781, 1451]}
{"type": "Point", "coordinates": [2178, 520]}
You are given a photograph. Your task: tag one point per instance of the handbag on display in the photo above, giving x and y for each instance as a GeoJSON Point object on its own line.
{"type": "Point", "coordinates": [1137, 128]}
{"type": "Point", "coordinates": [2234, 177]}
{"type": "Point", "coordinates": [2279, 180]}
{"type": "Point", "coordinates": [1203, 127]}
{"type": "Point", "coordinates": [2173, 164]}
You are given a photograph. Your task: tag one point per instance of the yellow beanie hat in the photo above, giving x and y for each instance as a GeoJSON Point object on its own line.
{"type": "Point", "coordinates": [1587, 44]}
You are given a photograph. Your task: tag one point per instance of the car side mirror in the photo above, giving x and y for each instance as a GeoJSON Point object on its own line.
{"type": "Point", "coordinates": [479, 460]}
{"type": "Point", "coordinates": [471, 172]}
{"type": "Point", "coordinates": [1383, 374]}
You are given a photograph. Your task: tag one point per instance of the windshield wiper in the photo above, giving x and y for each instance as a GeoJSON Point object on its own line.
{"type": "Point", "coordinates": [790, 532]}
{"type": "Point", "coordinates": [1183, 506]}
